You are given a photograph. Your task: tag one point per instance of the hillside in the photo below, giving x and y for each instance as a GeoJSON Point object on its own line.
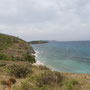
{"type": "Point", "coordinates": [25, 76]}
{"type": "Point", "coordinates": [14, 48]}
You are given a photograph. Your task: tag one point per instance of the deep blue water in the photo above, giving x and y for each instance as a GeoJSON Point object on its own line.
{"type": "Point", "coordinates": [65, 56]}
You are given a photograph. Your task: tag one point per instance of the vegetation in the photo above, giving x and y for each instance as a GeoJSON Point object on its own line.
{"type": "Point", "coordinates": [49, 78]}
{"type": "Point", "coordinates": [30, 77]}
{"type": "Point", "coordinates": [4, 82]}
{"type": "Point", "coordinates": [30, 58]}
{"type": "Point", "coordinates": [43, 67]}
{"type": "Point", "coordinates": [2, 64]}
{"type": "Point", "coordinates": [13, 48]}
{"type": "Point", "coordinates": [6, 41]}
{"type": "Point", "coordinates": [70, 84]}
{"type": "Point", "coordinates": [3, 56]}
{"type": "Point", "coordinates": [38, 42]}
{"type": "Point", "coordinates": [19, 71]}
{"type": "Point", "coordinates": [25, 86]}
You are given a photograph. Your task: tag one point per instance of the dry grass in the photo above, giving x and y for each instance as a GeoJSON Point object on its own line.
{"type": "Point", "coordinates": [43, 67]}
{"type": "Point", "coordinates": [43, 79]}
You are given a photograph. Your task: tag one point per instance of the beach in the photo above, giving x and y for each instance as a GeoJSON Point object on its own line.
{"type": "Point", "coordinates": [36, 58]}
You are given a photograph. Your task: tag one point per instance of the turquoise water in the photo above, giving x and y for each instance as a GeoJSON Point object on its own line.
{"type": "Point", "coordinates": [65, 56]}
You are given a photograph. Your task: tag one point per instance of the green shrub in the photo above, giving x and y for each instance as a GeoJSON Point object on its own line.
{"type": "Point", "coordinates": [13, 58]}
{"type": "Point", "coordinates": [19, 71]}
{"type": "Point", "coordinates": [29, 58]}
{"type": "Point", "coordinates": [43, 67]}
{"type": "Point", "coordinates": [2, 56]}
{"type": "Point", "coordinates": [49, 78]}
{"type": "Point", "coordinates": [37, 42]}
{"type": "Point", "coordinates": [70, 84]}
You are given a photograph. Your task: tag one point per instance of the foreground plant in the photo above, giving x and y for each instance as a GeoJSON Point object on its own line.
{"type": "Point", "coordinates": [19, 71]}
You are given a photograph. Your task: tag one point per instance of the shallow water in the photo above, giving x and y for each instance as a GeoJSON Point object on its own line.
{"type": "Point", "coordinates": [65, 56]}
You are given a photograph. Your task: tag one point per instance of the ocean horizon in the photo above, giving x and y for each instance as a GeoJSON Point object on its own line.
{"type": "Point", "coordinates": [69, 56]}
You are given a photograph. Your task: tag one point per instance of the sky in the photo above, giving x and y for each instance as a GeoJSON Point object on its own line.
{"type": "Point", "coordinates": [62, 20]}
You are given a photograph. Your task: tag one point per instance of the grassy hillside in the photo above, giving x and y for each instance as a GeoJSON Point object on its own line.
{"type": "Point", "coordinates": [13, 48]}
{"type": "Point", "coordinates": [7, 41]}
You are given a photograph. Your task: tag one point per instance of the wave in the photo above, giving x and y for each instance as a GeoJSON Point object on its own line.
{"type": "Point", "coordinates": [36, 57]}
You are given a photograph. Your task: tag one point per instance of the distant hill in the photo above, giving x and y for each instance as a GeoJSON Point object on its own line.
{"type": "Point", "coordinates": [38, 42]}
{"type": "Point", "coordinates": [14, 47]}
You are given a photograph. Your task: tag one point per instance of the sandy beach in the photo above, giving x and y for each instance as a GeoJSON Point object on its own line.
{"type": "Point", "coordinates": [37, 61]}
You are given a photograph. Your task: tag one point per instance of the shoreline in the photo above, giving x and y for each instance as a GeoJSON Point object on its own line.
{"type": "Point", "coordinates": [37, 61]}
{"type": "Point", "coordinates": [40, 63]}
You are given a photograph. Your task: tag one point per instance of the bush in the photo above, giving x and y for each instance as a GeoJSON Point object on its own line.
{"type": "Point", "coordinates": [42, 67]}
{"type": "Point", "coordinates": [19, 71]}
{"type": "Point", "coordinates": [71, 83]}
{"type": "Point", "coordinates": [2, 56]}
{"type": "Point", "coordinates": [2, 64]}
{"type": "Point", "coordinates": [25, 86]}
{"type": "Point", "coordinates": [49, 78]}
{"type": "Point", "coordinates": [13, 58]}
{"type": "Point", "coordinates": [29, 58]}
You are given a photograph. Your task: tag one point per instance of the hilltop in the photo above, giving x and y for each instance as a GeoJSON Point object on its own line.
{"type": "Point", "coordinates": [14, 48]}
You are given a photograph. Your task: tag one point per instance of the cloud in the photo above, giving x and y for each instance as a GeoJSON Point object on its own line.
{"type": "Point", "coordinates": [46, 19]}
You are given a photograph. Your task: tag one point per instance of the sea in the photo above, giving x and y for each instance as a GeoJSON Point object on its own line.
{"type": "Point", "coordinates": [70, 56]}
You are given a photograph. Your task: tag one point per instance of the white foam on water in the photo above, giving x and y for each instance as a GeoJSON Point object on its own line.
{"type": "Point", "coordinates": [36, 57]}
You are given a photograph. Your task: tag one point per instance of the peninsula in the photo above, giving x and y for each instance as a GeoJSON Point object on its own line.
{"type": "Point", "coordinates": [38, 42]}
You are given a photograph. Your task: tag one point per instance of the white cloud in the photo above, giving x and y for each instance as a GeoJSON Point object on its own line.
{"type": "Point", "coordinates": [46, 19]}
